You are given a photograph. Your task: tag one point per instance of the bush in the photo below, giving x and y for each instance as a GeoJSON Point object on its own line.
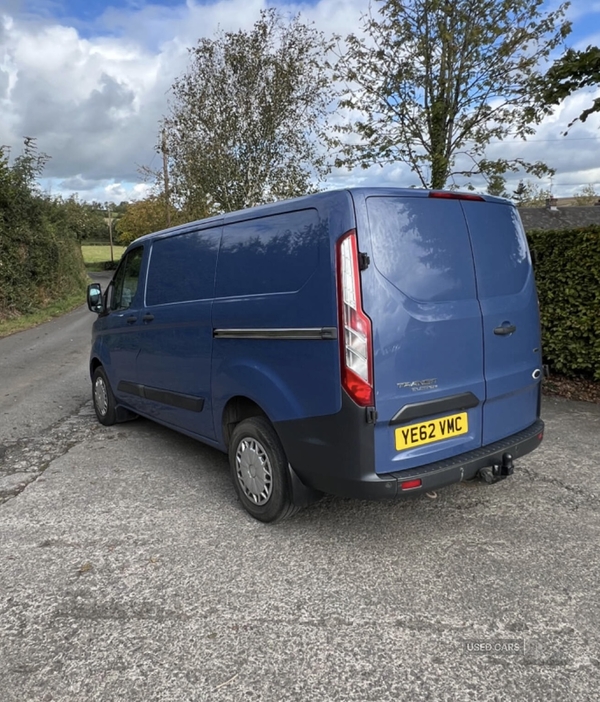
{"type": "Point", "coordinates": [567, 270]}
{"type": "Point", "coordinates": [40, 258]}
{"type": "Point", "coordinates": [37, 267]}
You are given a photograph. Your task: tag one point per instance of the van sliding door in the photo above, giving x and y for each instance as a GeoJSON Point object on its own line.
{"type": "Point", "coordinates": [174, 361]}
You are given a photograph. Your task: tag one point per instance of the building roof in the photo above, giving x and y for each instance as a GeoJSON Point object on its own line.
{"type": "Point", "coordinates": [559, 217]}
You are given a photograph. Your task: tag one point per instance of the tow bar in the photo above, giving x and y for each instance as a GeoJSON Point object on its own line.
{"type": "Point", "coordinates": [498, 471]}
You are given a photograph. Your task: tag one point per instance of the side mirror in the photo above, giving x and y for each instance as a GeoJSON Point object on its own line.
{"type": "Point", "coordinates": [94, 298]}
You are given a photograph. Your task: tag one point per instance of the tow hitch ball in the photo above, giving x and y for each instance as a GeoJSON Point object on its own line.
{"type": "Point", "coordinates": [498, 471]}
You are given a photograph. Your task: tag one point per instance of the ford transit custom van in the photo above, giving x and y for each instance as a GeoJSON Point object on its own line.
{"type": "Point", "coordinates": [368, 343]}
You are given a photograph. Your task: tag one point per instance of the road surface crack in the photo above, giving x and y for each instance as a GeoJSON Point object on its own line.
{"type": "Point", "coordinates": [579, 495]}
{"type": "Point", "coordinates": [24, 460]}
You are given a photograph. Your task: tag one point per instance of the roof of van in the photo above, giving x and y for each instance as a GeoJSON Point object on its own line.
{"type": "Point", "coordinates": [274, 207]}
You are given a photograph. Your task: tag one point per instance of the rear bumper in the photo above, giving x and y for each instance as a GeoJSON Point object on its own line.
{"type": "Point", "coordinates": [467, 465]}
{"type": "Point", "coordinates": [336, 454]}
{"type": "Point", "coordinates": [368, 485]}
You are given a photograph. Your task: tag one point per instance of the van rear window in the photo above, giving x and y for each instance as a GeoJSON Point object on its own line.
{"type": "Point", "coordinates": [500, 249]}
{"type": "Point", "coordinates": [182, 268]}
{"type": "Point", "coordinates": [268, 255]}
{"type": "Point", "coordinates": [421, 245]}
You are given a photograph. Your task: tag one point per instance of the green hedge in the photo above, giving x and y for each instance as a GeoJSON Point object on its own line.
{"type": "Point", "coordinates": [567, 271]}
{"type": "Point", "coordinates": [36, 268]}
{"type": "Point", "coordinates": [40, 257]}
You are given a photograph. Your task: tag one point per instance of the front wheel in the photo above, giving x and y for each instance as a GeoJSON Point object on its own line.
{"type": "Point", "coordinates": [104, 401]}
{"type": "Point", "coordinates": [259, 470]}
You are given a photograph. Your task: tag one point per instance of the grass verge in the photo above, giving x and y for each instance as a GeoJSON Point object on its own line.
{"type": "Point", "coordinates": [54, 309]}
{"type": "Point", "coordinates": [96, 257]}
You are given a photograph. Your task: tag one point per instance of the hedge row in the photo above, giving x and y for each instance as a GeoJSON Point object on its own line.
{"type": "Point", "coordinates": [40, 258]}
{"type": "Point", "coordinates": [567, 271]}
{"type": "Point", "coordinates": [40, 262]}
{"type": "Point", "coordinates": [37, 267]}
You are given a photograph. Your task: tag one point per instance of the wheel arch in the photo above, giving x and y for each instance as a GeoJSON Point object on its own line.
{"type": "Point", "coordinates": [94, 363]}
{"type": "Point", "coordinates": [237, 409]}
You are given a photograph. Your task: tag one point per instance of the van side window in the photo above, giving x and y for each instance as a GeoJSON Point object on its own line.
{"type": "Point", "coordinates": [271, 254]}
{"type": "Point", "coordinates": [126, 278]}
{"type": "Point", "coordinates": [182, 268]}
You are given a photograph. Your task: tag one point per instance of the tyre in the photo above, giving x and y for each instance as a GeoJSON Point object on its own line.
{"type": "Point", "coordinates": [259, 470]}
{"type": "Point", "coordinates": [104, 401]}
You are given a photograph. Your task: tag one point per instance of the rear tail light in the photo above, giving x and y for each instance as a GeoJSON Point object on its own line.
{"type": "Point", "coordinates": [356, 345]}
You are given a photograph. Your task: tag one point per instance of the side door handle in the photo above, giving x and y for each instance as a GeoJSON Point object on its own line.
{"type": "Point", "coordinates": [147, 318]}
{"type": "Point", "coordinates": [131, 320]}
{"type": "Point", "coordinates": [505, 329]}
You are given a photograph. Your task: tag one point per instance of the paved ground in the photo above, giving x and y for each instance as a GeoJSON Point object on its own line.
{"type": "Point", "coordinates": [129, 572]}
{"type": "Point", "coordinates": [43, 372]}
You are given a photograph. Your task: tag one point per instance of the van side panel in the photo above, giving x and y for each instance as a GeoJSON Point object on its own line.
{"type": "Point", "coordinates": [506, 291]}
{"type": "Point", "coordinates": [275, 314]}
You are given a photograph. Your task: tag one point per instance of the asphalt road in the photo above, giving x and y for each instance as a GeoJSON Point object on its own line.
{"type": "Point", "coordinates": [43, 373]}
{"type": "Point", "coordinates": [128, 571]}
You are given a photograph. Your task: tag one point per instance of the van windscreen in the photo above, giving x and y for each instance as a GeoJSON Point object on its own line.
{"type": "Point", "coordinates": [421, 245]}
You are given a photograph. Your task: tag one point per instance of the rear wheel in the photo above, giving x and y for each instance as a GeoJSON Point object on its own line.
{"type": "Point", "coordinates": [259, 470]}
{"type": "Point", "coordinates": [104, 401]}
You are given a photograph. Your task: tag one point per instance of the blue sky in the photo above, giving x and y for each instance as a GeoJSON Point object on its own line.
{"type": "Point", "coordinates": [90, 79]}
{"type": "Point", "coordinates": [86, 12]}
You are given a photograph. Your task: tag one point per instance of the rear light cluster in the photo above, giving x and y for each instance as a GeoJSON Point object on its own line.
{"type": "Point", "coordinates": [356, 343]}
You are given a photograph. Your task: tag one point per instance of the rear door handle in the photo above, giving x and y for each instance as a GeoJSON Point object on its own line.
{"type": "Point", "coordinates": [147, 318]}
{"type": "Point", "coordinates": [505, 329]}
{"type": "Point", "coordinates": [131, 320]}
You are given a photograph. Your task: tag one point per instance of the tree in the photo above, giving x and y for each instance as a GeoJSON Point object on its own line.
{"type": "Point", "coordinates": [247, 118]}
{"type": "Point", "coordinates": [528, 194]}
{"type": "Point", "coordinates": [497, 186]}
{"type": "Point", "coordinates": [572, 72]}
{"type": "Point", "coordinates": [521, 194]}
{"type": "Point", "coordinates": [587, 195]}
{"type": "Point", "coordinates": [83, 219]}
{"type": "Point", "coordinates": [20, 199]}
{"type": "Point", "coordinates": [434, 81]}
{"type": "Point", "coordinates": [145, 216]}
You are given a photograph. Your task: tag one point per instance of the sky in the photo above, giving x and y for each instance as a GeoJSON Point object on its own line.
{"type": "Point", "coordinates": [89, 79]}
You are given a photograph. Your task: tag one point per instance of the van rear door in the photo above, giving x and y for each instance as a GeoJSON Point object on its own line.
{"type": "Point", "coordinates": [511, 330]}
{"type": "Point", "coordinates": [420, 293]}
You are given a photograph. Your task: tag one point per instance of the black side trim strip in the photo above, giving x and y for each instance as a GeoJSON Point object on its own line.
{"type": "Point", "coordinates": [314, 333]}
{"type": "Point", "coordinates": [175, 399]}
{"type": "Point", "coordinates": [131, 388]}
{"type": "Point", "coordinates": [418, 410]}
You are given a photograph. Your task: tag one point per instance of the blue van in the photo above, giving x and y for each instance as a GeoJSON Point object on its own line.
{"type": "Point", "coordinates": [368, 343]}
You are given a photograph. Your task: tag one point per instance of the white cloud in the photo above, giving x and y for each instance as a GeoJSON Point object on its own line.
{"type": "Point", "coordinates": [574, 157]}
{"type": "Point", "coordinates": [93, 97]}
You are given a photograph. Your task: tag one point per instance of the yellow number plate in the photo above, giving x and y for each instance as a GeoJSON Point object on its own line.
{"type": "Point", "coordinates": [434, 430]}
